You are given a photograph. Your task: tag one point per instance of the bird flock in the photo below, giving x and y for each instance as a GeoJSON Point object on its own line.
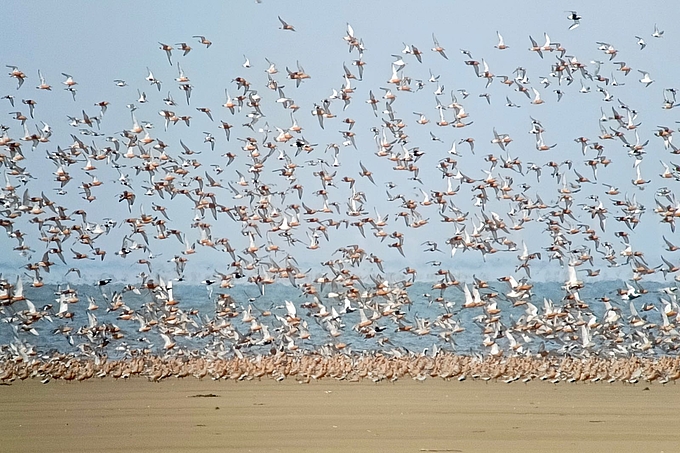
{"type": "Point", "coordinates": [352, 225]}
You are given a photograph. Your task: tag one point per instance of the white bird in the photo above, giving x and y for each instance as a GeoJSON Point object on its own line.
{"type": "Point", "coordinates": [168, 343]}
{"type": "Point", "coordinates": [645, 78]}
{"type": "Point", "coordinates": [142, 97]}
{"type": "Point", "coordinates": [575, 18]}
{"type": "Point", "coordinates": [537, 97]}
{"type": "Point", "coordinates": [572, 281]}
{"type": "Point", "coordinates": [501, 43]}
{"type": "Point", "coordinates": [152, 80]}
{"type": "Point", "coordinates": [657, 33]}
{"type": "Point", "coordinates": [272, 68]}
{"type": "Point", "coordinates": [586, 339]}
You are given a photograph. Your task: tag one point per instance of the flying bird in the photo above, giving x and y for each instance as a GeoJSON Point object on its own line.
{"type": "Point", "coordinates": [285, 25]}
{"type": "Point", "coordinates": [575, 18]}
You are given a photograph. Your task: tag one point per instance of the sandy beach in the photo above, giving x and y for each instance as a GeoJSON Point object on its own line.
{"type": "Point", "coordinates": [327, 415]}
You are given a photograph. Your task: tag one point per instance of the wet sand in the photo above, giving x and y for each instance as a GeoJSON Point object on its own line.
{"type": "Point", "coordinates": [327, 415]}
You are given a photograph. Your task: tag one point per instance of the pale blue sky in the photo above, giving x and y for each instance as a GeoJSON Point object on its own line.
{"type": "Point", "coordinates": [97, 42]}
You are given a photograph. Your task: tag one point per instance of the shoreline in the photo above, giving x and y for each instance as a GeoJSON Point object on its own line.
{"type": "Point", "coordinates": [375, 367]}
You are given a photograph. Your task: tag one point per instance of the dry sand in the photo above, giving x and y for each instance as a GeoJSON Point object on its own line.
{"type": "Point", "coordinates": [326, 415]}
